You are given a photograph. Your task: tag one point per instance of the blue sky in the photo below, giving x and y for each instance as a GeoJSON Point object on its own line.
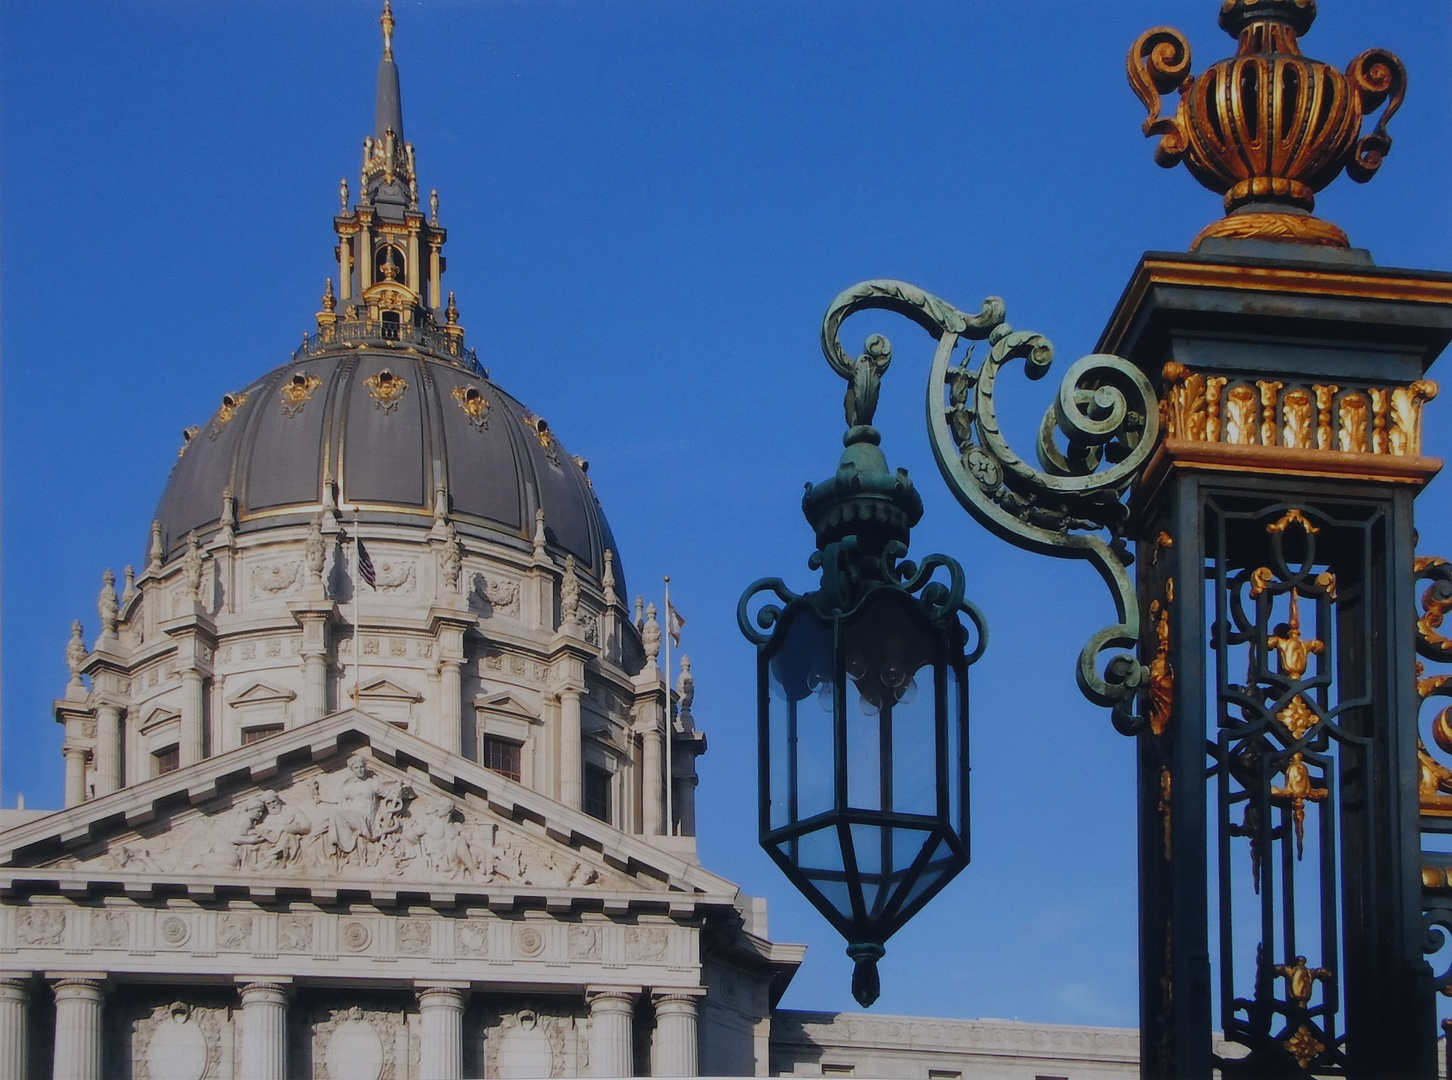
{"type": "Point", "coordinates": [650, 205]}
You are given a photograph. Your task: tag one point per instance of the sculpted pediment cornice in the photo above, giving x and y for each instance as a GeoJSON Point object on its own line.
{"type": "Point", "coordinates": [348, 804]}
{"type": "Point", "coordinates": [260, 693]}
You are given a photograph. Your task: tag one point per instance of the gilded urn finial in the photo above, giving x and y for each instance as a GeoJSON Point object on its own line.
{"type": "Point", "coordinates": [1267, 128]}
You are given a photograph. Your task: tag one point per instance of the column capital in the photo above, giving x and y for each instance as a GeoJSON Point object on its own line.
{"type": "Point", "coordinates": [612, 998]}
{"type": "Point", "coordinates": [689, 995]}
{"type": "Point", "coordinates": [440, 995]}
{"type": "Point", "coordinates": [274, 989]}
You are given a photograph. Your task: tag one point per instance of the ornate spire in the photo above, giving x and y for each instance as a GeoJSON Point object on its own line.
{"type": "Point", "coordinates": [1267, 128]}
{"type": "Point", "coordinates": [390, 252]}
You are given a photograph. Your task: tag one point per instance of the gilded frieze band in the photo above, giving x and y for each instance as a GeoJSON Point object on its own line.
{"type": "Point", "coordinates": [1320, 416]}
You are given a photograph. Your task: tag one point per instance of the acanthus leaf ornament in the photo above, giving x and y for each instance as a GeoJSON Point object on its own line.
{"type": "Point", "coordinates": [1106, 414]}
{"type": "Point", "coordinates": [1268, 127]}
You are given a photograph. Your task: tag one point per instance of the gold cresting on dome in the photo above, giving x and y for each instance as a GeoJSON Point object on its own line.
{"type": "Point", "coordinates": [1267, 128]}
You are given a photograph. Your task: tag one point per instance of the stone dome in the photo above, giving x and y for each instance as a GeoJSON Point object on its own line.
{"type": "Point", "coordinates": [387, 430]}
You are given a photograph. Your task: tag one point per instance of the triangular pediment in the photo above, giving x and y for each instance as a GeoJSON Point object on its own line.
{"type": "Point", "coordinates": [347, 804]}
{"type": "Point", "coordinates": [506, 704]}
{"type": "Point", "coordinates": [261, 694]}
{"type": "Point", "coordinates": [388, 690]}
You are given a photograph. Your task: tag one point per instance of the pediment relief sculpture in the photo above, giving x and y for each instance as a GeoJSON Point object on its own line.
{"type": "Point", "coordinates": [360, 823]}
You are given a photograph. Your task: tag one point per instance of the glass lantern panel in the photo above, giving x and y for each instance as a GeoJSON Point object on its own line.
{"type": "Point", "coordinates": [886, 651]}
{"type": "Point", "coordinates": [941, 865]}
{"type": "Point", "coordinates": [957, 763]}
{"type": "Point", "coordinates": [800, 704]}
{"type": "Point", "coordinates": [884, 856]}
{"type": "Point", "coordinates": [819, 856]}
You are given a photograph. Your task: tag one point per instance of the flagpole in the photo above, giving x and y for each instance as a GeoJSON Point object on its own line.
{"type": "Point", "coordinates": [357, 614]}
{"type": "Point", "coordinates": [670, 731]}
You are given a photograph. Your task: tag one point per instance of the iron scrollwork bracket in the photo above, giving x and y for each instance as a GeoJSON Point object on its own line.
{"type": "Point", "coordinates": [1071, 506]}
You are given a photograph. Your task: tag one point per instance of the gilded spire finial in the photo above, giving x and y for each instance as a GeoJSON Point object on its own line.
{"type": "Point", "coordinates": [1267, 128]}
{"type": "Point", "coordinates": [387, 20]}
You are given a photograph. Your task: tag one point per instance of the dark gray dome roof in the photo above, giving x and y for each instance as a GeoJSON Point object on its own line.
{"type": "Point", "coordinates": [341, 413]}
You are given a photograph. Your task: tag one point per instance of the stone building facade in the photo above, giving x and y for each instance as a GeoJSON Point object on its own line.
{"type": "Point", "coordinates": [372, 771]}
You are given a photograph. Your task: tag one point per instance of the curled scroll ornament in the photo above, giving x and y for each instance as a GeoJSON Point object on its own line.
{"type": "Point", "coordinates": [1092, 445]}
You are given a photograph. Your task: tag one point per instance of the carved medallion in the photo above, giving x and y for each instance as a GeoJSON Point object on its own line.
{"type": "Point", "coordinates": [274, 579]}
{"type": "Point", "coordinates": [297, 392]}
{"type": "Point", "coordinates": [528, 941]}
{"type": "Point", "coordinates": [178, 1046]}
{"type": "Point", "coordinates": [355, 936]}
{"type": "Point", "coordinates": [386, 389]}
{"type": "Point", "coordinates": [474, 405]}
{"type": "Point", "coordinates": [175, 931]}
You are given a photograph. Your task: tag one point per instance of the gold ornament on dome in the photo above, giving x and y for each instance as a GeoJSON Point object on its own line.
{"type": "Point", "coordinates": [1267, 128]}
{"type": "Point", "coordinates": [386, 389]}
{"type": "Point", "coordinates": [230, 404]}
{"type": "Point", "coordinates": [298, 391]}
{"type": "Point", "coordinates": [474, 404]}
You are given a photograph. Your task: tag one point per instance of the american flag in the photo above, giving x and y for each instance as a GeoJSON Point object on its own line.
{"type": "Point", "coordinates": [674, 623]}
{"type": "Point", "coordinates": [365, 567]}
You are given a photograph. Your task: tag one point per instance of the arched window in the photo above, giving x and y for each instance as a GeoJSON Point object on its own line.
{"type": "Point", "coordinates": [392, 324]}
{"type": "Point", "coordinates": [389, 264]}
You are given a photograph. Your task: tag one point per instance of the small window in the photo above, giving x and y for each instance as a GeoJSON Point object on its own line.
{"type": "Point", "coordinates": [838, 1070]}
{"type": "Point", "coordinates": [257, 734]}
{"type": "Point", "coordinates": [165, 760]}
{"type": "Point", "coordinates": [597, 792]}
{"type": "Point", "coordinates": [944, 1074]}
{"type": "Point", "coordinates": [391, 326]}
{"type": "Point", "coordinates": [502, 756]}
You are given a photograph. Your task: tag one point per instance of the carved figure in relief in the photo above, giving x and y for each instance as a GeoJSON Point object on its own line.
{"type": "Point", "coordinates": [451, 561]}
{"type": "Point", "coordinates": [192, 568]}
{"type": "Point", "coordinates": [244, 836]}
{"type": "Point", "coordinates": [284, 828]}
{"type": "Point", "coordinates": [75, 653]}
{"type": "Point", "coordinates": [107, 605]}
{"type": "Point", "coordinates": [650, 635]}
{"type": "Point", "coordinates": [130, 857]}
{"type": "Point", "coordinates": [570, 593]}
{"type": "Point", "coordinates": [40, 926]}
{"type": "Point", "coordinates": [316, 549]}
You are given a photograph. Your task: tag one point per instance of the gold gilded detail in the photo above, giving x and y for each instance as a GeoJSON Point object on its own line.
{"type": "Point", "coordinates": [474, 404]}
{"type": "Point", "coordinates": [1298, 717]}
{"type": "Point", "coordinates": [298, 391]}
{"type": "Point", "coordinates": [1163, 542]}
{"type": "Point", "coordinates": [1434, 608]}
{"type": "Point", "coordinates": [386, 389]}
{"type": "Point", "coordinates": [1301, 981]}
{"type": "Point", "coordinates": [230, 404]}
{"type": "Point", "coordinates": [1161, 673]}
{"type": "Point", "coordinates": [1299, 789]}
{"type": "Point", "coordinates": [1260, 579]}
{"type": "Point", "coordinates": [1268, 127]}
{"type": "Point", "coordinates": [1166, 789]}
{"type": "Point", "coordinates": [1295, 651]}
{"type": "Point", "coordinates": [541, 428]}
{"type": "Point", "coordinates": [1304, 1046]}
{"type": "Point", "coordinates": [1383, 420]}
{"type": "Point", "coordinates": [1290, 517]}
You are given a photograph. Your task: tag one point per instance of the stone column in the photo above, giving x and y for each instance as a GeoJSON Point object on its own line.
{"type": "Point", "coordinates": [345, 266]}
{"type": "Point", "coordinates": [108, 749]}
{"type": "Point", "coordinates": [264, 1030]}
{"type": "Point", "coordinates": [193, 716]}
{"type": "Point", "coordinates": [652, 778]}
{"type": "Point", "coordinates": [14, 1033]}
{"type": "Point", "coordinates": [675, 1035]}
{"type": "Point", "coordinates": [75, 774]}
{"type": "Point", "coordinates": [612, 1030]}
{"type": "Point", "coordinates": [78, 1027]}
{"type": "Point", "coordinates": [451, 705]}
{"type": "Point", "coordinates": [572, 775]}
{"type": "Point", "coordinates": [315, 685]}
{"type": "Point", "coordinates": [436, 296]}
{"type": "Point", "coordinates": [441, 1031]}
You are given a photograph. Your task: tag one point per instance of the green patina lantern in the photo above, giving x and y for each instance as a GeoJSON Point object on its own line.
{"type": "Point", "coordinates": [862, 699]}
